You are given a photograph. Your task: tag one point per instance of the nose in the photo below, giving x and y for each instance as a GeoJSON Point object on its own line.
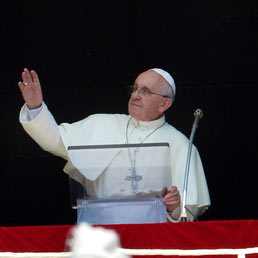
{"type": "Point", "coordinates": [136, 94]}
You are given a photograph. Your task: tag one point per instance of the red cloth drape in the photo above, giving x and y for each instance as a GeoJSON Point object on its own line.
{"type": "Point", "coordinates": [188, 235]}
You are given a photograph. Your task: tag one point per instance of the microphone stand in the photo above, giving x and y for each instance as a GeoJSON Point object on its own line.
{"type": "Point", "coordinates": [198, 115]}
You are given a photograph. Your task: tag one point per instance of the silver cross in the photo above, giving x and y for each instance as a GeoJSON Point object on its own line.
{"type": "Point", "coordinates": [134, 178]}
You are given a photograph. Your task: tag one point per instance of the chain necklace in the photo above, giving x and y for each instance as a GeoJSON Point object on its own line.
{"type": "Point", "coordinates": [134, 177]}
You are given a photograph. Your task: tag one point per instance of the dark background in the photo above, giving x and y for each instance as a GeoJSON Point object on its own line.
{"type": "Point", "coordinates": [87, 52]}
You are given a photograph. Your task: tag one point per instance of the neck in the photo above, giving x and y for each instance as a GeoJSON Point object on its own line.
{"type": "Point", "coordinates": [151, 126]}
{"type": "Point", "coordinates": [147, 124]}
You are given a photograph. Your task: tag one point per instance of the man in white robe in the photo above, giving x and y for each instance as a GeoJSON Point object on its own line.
{"type": "Point", "coordinates": [152, 94]}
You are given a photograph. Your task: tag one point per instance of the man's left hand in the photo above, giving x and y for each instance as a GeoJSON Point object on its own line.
{"type": "Point", "coordinates": [172, 199]}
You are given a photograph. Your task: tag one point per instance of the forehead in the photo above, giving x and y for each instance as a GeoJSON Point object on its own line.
{"type": "Point", "coordinates": [149, 79]}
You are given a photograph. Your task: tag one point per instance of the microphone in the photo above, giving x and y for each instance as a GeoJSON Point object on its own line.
{"type": "Point", "coordinates": [198, 114]}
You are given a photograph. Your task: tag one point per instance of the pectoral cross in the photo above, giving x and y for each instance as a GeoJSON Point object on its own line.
{"type": "Point", "coordinates": [134, 178]}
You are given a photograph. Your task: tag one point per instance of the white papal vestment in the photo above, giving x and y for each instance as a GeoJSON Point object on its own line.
{"type": "Point", "coordinates": [101, 129]}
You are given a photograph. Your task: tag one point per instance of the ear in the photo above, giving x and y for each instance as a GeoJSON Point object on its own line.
{"type": "Point", "coordinates": [165, 104]}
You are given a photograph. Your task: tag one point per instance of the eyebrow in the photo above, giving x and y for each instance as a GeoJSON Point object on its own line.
{"type": "Point", "coordinates": [144, 86]}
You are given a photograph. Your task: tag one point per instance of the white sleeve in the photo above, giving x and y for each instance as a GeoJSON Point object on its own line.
{"type": "Point", "coordinates": [33, 113]}
{"type": "Point", "coordinates": [174, 216]}
{"type": "Point", "coordinates": [43, 129]}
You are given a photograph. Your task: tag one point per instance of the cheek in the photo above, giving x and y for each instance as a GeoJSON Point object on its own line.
{"type": "Point", "coordinates": [151, 107]}
{"type": "Point", "coordinates": [148, 110]}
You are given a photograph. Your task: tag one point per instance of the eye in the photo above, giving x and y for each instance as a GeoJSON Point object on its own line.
{"type": "Point", "coordinates": [146, 90]}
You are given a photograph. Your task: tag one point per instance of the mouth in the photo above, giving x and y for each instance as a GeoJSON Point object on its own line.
{"type": "Point", "coordinates": [135, 104]}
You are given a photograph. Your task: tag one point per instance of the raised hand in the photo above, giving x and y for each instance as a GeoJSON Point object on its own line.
{"type": "Point", "coordinates": [31, 89]}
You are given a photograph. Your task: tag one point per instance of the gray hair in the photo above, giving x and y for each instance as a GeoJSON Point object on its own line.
{"type": "Point", "coordinates": [168, 91]}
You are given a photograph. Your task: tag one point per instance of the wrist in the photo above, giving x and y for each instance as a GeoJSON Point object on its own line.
{"type": "Point", "coordinates": [32, 107]}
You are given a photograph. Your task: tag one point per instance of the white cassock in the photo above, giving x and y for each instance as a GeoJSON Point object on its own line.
{"type": "Point", "coordinates": [104, 129]}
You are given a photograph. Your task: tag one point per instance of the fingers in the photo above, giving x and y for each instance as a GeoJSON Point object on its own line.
{"type": "Point", "coordinates": [172, 195]}
{"type": "Point", "coordinates": [35, 77]}
{"type": "Point", "coordinates": [164, 191]}
{"type": "Point", "coordinates": [26, 77]}
{"type": "Point", "coordinates": [173, 189]}
{"type": "Point", "coordinates": [168, 199]}
{"type": "Point", "coordinates": [172, 199]}
{"type": "Point", "coordinates": [21, 86]}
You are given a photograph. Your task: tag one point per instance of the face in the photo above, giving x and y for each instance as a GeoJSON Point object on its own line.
{"type": "Point", "coordinates": [150, 107]}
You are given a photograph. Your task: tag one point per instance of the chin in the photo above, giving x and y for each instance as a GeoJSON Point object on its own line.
{"type": "Point", "coordinates": [136, 112]}
{"type": "Point", "coordinates": [138, 117]}
{"type": "Point", "coordinates": [134, 115]}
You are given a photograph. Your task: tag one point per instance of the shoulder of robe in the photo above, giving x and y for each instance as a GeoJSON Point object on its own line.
{"type": "Point", "coordinates": [178, 138]}
{"type": "Point", "coordinates": [100, 120]}
{"type": "Point", "coordinates": [174, 133]}
{"type": "Point", "coordinates": [174, 136]}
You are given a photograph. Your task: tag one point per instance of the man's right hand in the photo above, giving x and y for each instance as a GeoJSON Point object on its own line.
{"type": "Point", "coordinates": [31, 89]}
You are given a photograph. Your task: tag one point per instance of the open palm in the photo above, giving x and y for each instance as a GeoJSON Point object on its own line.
{"type": "Point", "coordinates": [31, 89]}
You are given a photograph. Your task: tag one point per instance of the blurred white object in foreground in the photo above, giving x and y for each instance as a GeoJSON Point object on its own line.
{"type": "Point", "coordinates": [94, 242]}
